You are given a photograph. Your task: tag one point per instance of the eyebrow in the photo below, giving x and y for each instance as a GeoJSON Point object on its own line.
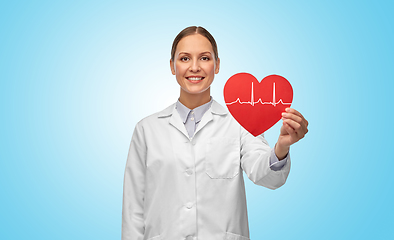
{"type": "Point", "coordinates": [199, 54]}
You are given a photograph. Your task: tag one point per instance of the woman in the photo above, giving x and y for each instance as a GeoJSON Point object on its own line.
{"type": "Point", "coordinates": [183, 177]}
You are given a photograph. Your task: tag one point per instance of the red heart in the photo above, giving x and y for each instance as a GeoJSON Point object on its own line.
{"type": "Point", "coordinates": [257, 106]}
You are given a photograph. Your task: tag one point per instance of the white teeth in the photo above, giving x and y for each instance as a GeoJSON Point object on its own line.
{"type": "Point", "coordinates": [194, 78]}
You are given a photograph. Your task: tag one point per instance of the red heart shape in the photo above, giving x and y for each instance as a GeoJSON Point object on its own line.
{"type": "Point", "coordinates": [257, 106]}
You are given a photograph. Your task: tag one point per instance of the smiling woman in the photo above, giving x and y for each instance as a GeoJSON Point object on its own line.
{"type": "Point", "coordinates": [183, 177]}
{"type": "Point", "coordinates": [194, 64]}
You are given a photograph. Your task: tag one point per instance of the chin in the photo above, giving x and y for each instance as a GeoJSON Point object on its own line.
{"type": "Point", "coordinates": [197, 91]}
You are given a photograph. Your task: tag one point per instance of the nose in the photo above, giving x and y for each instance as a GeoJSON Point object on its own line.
{"type": "Point", "coordinates": [194, 67]}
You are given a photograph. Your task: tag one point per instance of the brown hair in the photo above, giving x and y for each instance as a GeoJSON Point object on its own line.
{"type": "Point", "coordinates": [190, 31]}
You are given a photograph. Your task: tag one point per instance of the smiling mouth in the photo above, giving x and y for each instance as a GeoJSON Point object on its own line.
{"type": "Point", "coordinates": [195, 78]}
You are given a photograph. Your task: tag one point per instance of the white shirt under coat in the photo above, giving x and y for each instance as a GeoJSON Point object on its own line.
{"type": "Point", "coordinates": [177, 187]}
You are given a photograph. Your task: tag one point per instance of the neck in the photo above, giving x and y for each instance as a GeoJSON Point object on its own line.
{"type": "Point", "coordinates": [192, 101]}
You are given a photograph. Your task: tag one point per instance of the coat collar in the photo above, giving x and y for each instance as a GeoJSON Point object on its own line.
{"type": "Point", "coordinates": [176, 121]}
{"type": "Point", "coordinates": [197, 112]}
{"type": "Point", "coordinates": [216, 108]}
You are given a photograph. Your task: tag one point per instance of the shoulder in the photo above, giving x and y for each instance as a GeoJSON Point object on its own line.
{"type": "Point", "coordinates": [157, 117]}
{"type": "Point", "coordinates": [218, 109]}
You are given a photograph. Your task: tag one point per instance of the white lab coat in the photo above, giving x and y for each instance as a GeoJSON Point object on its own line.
{"type": "Point", "coordinates": [181, 188]}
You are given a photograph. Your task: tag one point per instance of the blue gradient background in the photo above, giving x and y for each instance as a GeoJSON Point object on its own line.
{"type": "Point", "coordinates": [76, 76]}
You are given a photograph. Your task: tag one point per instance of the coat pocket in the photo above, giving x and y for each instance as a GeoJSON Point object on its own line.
{"type": "Point", "coordinates": [222, 159]}
{"type": "Point", "coordinates": [232, 236]}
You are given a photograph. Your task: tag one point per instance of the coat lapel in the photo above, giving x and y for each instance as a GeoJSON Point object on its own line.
{"type": "Point", "coordinates": [204, 121]}
{"type": "Point", "coordinates": [175, 121]}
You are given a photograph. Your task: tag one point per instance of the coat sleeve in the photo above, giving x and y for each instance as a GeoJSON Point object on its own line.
{"type": "Point", "coordinates": [133, 188]}
{"type": "Point", "coordinates": [255, 161]}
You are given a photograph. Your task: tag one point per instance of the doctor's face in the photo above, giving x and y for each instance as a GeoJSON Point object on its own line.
{"type": "Point", "coordinates": [194, 64]}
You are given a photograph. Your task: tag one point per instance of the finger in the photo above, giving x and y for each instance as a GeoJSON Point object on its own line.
{"type": "Point", "coordinates": [292, 110]}
{"type": "Point", "coordinates": [292, 116]}
{"type": "Point", "coordinates": [302, 122]}
{"type": "Point", "coordinates": [291, 132]}
{"type": "Point", "coordinates": [296, 126]}
{"type": "Point", "coordinates": [288, 128]}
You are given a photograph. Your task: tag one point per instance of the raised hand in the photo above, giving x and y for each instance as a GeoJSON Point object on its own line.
{"type": "Point", "coordinates": [294, 128]}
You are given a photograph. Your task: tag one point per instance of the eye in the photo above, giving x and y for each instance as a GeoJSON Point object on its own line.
{"type": "Point", "coordinates": [205, 58]}
{"type": "Point", "coordinates": [184, 59]}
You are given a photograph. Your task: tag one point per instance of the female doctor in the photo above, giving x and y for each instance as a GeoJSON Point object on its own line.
{"type": "Point", "coordinates": [183, 177]}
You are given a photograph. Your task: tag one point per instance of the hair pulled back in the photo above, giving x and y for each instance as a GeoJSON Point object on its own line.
{"type": "Point", "coordinates": [191, 31]}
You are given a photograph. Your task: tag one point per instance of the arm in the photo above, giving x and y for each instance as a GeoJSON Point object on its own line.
{"type": "Point", "coordinates": [260, 165]}
{"type": "Point", "coordinates": [133, 189]}
{"type": "Point", "coordinates": [255, 161]}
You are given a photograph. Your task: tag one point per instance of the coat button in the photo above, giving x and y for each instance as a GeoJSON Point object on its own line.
{"type": "Point", "coordinates": [189, 205]}
{"type": "Point", "coordinates": [189, 172]}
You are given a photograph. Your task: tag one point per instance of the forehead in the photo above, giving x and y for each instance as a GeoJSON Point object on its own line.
{"type": "Point", "coordinates": [194, 43]}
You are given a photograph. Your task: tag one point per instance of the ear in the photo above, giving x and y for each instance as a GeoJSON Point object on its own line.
{"type": "Point", "coordinates": [217, 66]}
{"type": "Point", "coordinates": [172, 67]}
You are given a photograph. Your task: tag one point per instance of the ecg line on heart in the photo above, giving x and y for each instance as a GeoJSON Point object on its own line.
{"type": "Point", "coordinates": [252, 102]}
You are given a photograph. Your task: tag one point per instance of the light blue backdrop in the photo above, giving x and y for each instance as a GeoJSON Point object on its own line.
{"type": "Point", "coordinates": [76, 76]}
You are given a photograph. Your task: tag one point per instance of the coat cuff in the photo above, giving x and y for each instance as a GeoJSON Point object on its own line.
{"type": "Point", "coordinates": [275, 164]}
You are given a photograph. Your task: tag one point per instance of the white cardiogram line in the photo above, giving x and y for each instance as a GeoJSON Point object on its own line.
{"type": "Point", "coordinates": [252, 102]}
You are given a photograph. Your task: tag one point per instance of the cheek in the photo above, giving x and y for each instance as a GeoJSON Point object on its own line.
{"type": "Point", "coordinates": [180, 69]}
{"type": "Point", "coordinates": [209, 68]}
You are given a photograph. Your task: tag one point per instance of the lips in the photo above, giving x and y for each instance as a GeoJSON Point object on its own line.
{"type": "Point", "coordinates": [195, 78]}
